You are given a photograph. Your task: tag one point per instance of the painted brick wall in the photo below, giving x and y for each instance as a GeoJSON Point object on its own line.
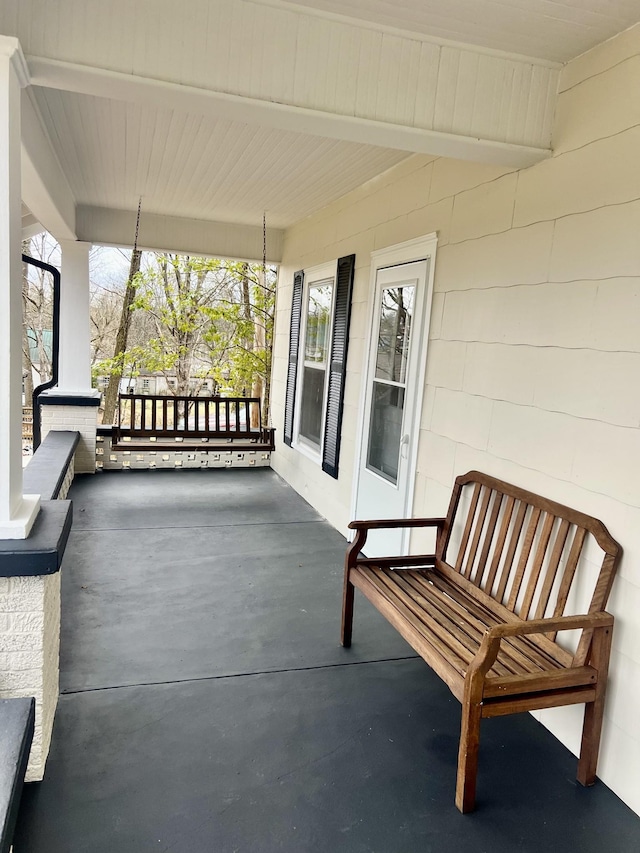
{"type": "Point", "coordinates": [534, 352]}
{"type": "Point", "coordinates": [29, 652]}
{"type": "Point", "coordinates": [79, 418]}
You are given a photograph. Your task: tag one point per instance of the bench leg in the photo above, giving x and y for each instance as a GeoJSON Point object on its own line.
{"type": "Point", "coordinates": [594, 711]}
{"type": "Point", "coordinates": [468, 757]}
{"type": "Point", "coordinates": [347, 612]}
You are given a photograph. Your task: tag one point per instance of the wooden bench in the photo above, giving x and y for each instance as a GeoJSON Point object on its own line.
{"type": "Point", "coordinates": [485, 609]}
{"type": "Point", "coordinates": [168, 423]}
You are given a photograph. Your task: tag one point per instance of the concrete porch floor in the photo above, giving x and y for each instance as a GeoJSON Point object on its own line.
{"type": "Point", "coordinates": [207, 706]}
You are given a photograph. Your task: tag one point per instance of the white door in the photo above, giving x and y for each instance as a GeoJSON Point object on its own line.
{"type": "Point", "coordinates": [393, 401]}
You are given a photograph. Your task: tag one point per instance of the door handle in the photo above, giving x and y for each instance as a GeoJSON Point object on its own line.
{"type": "Point", "coordinates": [404, 446]}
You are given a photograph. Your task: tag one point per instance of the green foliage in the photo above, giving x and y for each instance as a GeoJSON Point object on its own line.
{"type": "Point", "coordinates": [205, 318]}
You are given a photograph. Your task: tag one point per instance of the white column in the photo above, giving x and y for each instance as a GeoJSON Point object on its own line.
{"type": "Point", "coordinates": [17, 511]}
{"type": "Point", "coordinates": [75, 322]}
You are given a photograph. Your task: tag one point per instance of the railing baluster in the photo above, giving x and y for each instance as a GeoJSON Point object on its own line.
{"type": "Point", "coordinates": [164, 415]}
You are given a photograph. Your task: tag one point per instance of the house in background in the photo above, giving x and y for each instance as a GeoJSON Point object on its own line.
{"type": "Point", "coordinates": [157, 383]}
{"type": "Point", "coordinates": [455, 208]}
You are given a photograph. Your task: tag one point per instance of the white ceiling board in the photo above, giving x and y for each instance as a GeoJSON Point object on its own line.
{"type": "Point", "coordinates": [198, 167]}
{"type": "Point", "coordinates": [557, 30]}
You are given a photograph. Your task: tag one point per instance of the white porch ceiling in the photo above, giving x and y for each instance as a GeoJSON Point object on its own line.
{"type": "Point", "coordinates": [215, 110]}
{"type": "Point", "coordinates": [557, 30]}
{"type": "Point", "coordinates": [199, 167]}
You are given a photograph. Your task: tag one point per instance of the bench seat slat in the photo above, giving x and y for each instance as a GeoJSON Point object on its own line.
{"type": "Point", "coordinates": [551, 649]}
{"type": "Point", "coordinates": [449, 611]}
{"type": "Point", "coordinates": [539, 658]}
{"type": "Point", "coordinates": [412, 634]}
{"type": "Point", "coordinates": [450, 635]}
{"type": "Point", "coordinates": [452, 620]}
{"type": "Point", "coordinates": [517, 657]}
{"type": "Point", "coordinates": [457, 631]}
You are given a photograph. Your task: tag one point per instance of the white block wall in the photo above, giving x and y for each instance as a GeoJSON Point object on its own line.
{"type": "Point", "coordinates": [82, 419]}
{"type": "Point", "coordinates": [29, 653]}
{"type": "Point", "coordinates": [534, 358]}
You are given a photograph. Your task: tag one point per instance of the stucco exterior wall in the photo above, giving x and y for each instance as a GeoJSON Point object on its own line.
{"type": "Point", "coordinates": [534, 354]}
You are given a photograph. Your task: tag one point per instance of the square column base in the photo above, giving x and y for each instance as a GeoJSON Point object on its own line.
{"type": "Point", "coordinates": [77, 412]}
{"type": "Point", "coordinates": [20, 525]}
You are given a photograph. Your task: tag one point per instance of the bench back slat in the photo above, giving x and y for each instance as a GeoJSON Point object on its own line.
{"type": "Point", "coordinates": [552, 568]}
{"type": "Point", "coordinates": [500, 543]}
{"type": "Point", "coordinates": [478, 524]}
{"type": "Point", "coordinates": [536, 567]}
{"type": "Point", "coordinates": [468, 525]}
{"type": "Point", "coordinates": [527, 545]}
{"type": "Point", "coordinates": [511, 550]}
{"type": "Point", "coordinates": [523, 550]}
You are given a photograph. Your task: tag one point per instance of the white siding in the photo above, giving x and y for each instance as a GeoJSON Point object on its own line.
{"type": "Point", "coordinates": [535, 346]}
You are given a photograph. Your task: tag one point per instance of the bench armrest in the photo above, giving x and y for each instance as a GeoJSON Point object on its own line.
{"type": "Point", "coordinates": [488, 652]}
{"type": "Point", "coordinates": [547, 626]}
{"type": "Point", "coordinates": [378, 524]}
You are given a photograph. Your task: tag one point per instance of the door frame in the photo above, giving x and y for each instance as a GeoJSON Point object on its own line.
{"type": "Point", "coordinates": [418, 249]}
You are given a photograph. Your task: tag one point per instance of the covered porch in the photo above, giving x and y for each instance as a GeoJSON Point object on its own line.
{"type": "Point", "coordinates": [204, 698]}
{"type": "Point", "coordinates": [207, 705]}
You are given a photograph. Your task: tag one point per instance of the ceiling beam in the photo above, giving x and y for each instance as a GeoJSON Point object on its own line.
{"type": "Point", "coordinates": [100, 82]}
{"type": "Point", "coordinates": [45, 189]}
{"type": "Point", "coordinates": [108, 227]}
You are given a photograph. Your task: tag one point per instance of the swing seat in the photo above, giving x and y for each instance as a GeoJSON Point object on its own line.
{"type": "Point", "coordinates": [165, 423]}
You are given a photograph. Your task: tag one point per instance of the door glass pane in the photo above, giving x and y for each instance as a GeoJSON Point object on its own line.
{"type": "Point", "coordinates": [396, 312]}
{"type": "Point", "coordinates": [385, 431]}
{"type": "Point", "coordinates": [311, 408]}
{"type": "Point", "coordinates": [318, 316]}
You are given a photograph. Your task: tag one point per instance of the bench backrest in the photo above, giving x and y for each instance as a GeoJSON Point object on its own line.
{"type": "Point", "coordinates": [522, 549]}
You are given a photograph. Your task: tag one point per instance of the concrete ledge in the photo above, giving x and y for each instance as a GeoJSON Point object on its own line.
{"type": "Point", "coordinates": [17, 718]}
{"type": "Point", "coordinates": [46, 472]}
{"type": "Point", "coordinates": [42, 552]}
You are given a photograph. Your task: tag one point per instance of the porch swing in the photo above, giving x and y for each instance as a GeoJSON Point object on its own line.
{"type": "Point", "coordinates": [164, 423]}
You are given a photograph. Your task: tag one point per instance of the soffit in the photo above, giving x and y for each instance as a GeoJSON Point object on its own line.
{"type": "Point", "coordinates": [196, 166]}
{"type": "Point", "coordinates": [557, 30]}
{"type": "Point", "coordinates": [221, 109]}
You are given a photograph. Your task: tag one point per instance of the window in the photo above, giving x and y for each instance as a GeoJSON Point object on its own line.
{"type": "Point", "coordinates": [146, 384]}
{"type": "Point", "coordinates": [320, 314]}
{"type": "Point", "coordinates": [313, 371]}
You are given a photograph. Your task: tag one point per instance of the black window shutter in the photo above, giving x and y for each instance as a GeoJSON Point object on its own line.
{"type": "Point", "coordinates": [338, 365]}
{"type": "Point", "coordinates": [292, 372]}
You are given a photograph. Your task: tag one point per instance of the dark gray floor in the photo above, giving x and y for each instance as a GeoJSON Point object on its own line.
{"type": "Point", "coordinates": [208, 707]}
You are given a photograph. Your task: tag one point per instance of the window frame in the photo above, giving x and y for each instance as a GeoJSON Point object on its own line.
{"type": "Point", "coordinates": [333, 409]}
{"type": "Point", "coordinates": [313, 276]}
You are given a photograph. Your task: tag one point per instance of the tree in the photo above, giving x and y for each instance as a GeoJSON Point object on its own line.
{"type": "Point", "coordinates": [193, 319]}
{"type": "Point", "coordinates": [243, 331]}
{"type": "Point", "coordinates": [116, 368]}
